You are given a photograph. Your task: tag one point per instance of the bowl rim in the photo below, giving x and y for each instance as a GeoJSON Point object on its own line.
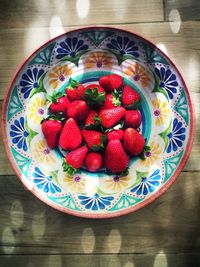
{"type": "Point", "coordinates": [127, 210]}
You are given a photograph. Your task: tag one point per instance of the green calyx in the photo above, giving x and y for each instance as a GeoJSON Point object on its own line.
{"type": "Point", "coordinates": [102, 145]}
{"type": "Point", "coordinates": [72, 84]}
{"type": "Point", "coordinates": [121, 174]}
{"type": "Point", "coordinates": [56, 117]}
{"type": "Point", "coordinates": [135, 105]}
{"type": "Point", "coordinates": [54, 97]}
{"type": "Point", "coordinates": [93, 97]}
{"type": "Point", "coordinates": [68, 168]}
{"type": "Point", "coordinates": [116, 98]}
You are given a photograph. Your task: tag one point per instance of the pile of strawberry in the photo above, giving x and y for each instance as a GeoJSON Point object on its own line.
{"type": "Point", "coordinates": [97, 125]}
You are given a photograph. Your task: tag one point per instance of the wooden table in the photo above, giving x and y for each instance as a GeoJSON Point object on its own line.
{"type": "Point", "coordinates": [165, 233]}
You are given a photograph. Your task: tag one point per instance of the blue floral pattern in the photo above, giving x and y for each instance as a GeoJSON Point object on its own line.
{"type": "Point", "coordinates": [30, 80]}
{"type": "Point", "coordinates": [95, 202]}
{"type": "Point", "coordinates": [124, 45]}
{"type": "Point", "coordinates": [167, 81]}
{"type": "Point", "coordinates": [44, 182]}
{"type": "Point", "coordinates": [176, 136]}
{"type": "Point", "coordinates": [148, 184]}
{"type": "Point", "coordinates": [19, 134]}
{"type": "Point", "coordinates": [70, 47]}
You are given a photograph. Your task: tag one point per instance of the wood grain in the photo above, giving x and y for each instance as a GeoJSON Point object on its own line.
{"type": "Point", "coordinates": [42, 13]}
{"type": "Point", "coordinates": [127, 260]}
{"type": "Point", "coordinates": [183, 47]}
{"type": "Point", "coordinates": [187, 9]}
{"type": "Point", "coordinates": [169, 225]}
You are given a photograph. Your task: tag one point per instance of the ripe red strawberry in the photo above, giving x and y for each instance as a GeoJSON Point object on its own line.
{"type": "Point", "coordinates": [51, 130]}
{"type": "Point", "coordinates": [110, 117]}
{"type": "Point", "coordinates": [130, 96]}
{"type": "Point", "coordinates": [60, 105]}
{"type": "Point", "coordinates": [133, 118]}
{"type": "Point", "coordinates": [93, 161]}
{"type": "Point", "coordinates": [76, 157]}
{"type": "Point", "coordinates": [75, 90]}
{"type": "Point", "coordinates": [133, 142]}
{"type": "Point", "coordinates": [112, 101]}
{"type": "Point", "coordinates": [90, 120]}
{"type": "Point", "coordinates": [111, 82]}
{"type": "Point", "coordinates": [115, 135]}
{"type": "Point", "coordinates": [70, 137]}
{"type": "Point", "coordinates": [78, 110]}
{"type": "Point", "coordinates": [94, 139]}
{"type": "Point", "coordinates": [93, 86]}
{"type": "Point", "coordinates": [116, 159]}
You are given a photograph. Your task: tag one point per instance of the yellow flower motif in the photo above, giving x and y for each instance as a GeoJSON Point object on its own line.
{"type": "Point", "coordinates": [153, 155]}
{"type": "Point", "coordinates": [98, 60]}
{"type": "Point", "coordinates": [117, 183]}
{"type": "Point", "coordinates": [138, 73]}
{"type": "Point", "coordinates": [76, 183]}
{"type": "Point", "coordinates": [161, 111]}
{"type": "Point", "coordinates": [36, 109]}
{"type": "Point", "coordinates": [58, 74]}
{"type": "Point", "coordinates": [43, 153]}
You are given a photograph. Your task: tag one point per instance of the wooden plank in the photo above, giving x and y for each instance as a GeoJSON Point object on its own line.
{"type": "Point", "coordinates": [192, 164]}
{"type": "Point", "coordinates": [170, 224]}
{"type": "Point", "coordinates": [183, 47]}
{"type": "Point", "coordinates": [43, 13]}
{"type": "Point", "coordinates": [133, 260]}
{"type": "Point", "coordinates": [186, 9]}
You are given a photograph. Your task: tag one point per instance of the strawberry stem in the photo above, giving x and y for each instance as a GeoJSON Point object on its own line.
{"type": "Point", "coordinates": [93, 97]}
{"type": "Point", "coordinates": [68, 168]}
{"type": "Point", "coordinates": [72, 84]}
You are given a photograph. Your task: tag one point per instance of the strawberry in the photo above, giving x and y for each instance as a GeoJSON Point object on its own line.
{"type": "Point", "coordinates": [75, 90]}
{"type": "Point", "coordinates": [116, 159]}
{"type": "Point", "coordinates": [51, 130]}
{"type": "Point", "coordinates": [60, 105]}
{"type": "Point", "coordinates": [130, 97]}
{"type": "Point", "coordinates": [112, 100]}
{"type": "Point", "coordinates": [133, 142]}
{"type": "Point", "coordinates": [90, 120]}
{"type": "Point", "coordinates": [78, 110]}
{"type": "Point", "coordinates": [94, 95]}
{"type": "Point", "coordinates": [93, 161]}
{"type": "Point", "coordinates": [94, 139]}
{"type": "Point", "coordinates": [111, 82]}
{"type": "Point", "coordinates": [74, 160]}
{"type": "Point", "coordinates": [70, 137]}
{"type": "Point", "coordinates": [93, 86]}
{"type": "Point", "coordinates": [133, 118]}
{"type": "Point", "coordinates": [115, 135]}
{"type": "Point", "coordinates": [110, 117]}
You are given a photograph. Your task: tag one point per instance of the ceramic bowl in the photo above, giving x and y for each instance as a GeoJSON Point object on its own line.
{"type": "Point", "coordinates": [86, 54]}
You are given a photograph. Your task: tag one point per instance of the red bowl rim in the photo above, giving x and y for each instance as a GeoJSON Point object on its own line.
{"type": "Point", "coordinates": [112, 214]}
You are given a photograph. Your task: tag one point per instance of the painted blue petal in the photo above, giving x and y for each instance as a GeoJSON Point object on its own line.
{"type": "Point", "coordinates": [180, 137]}
{"type": "Point", "coordinates": [179, 143]}
{"type": "Point", "coordinates": [139, 191]}
{"type": "Point", "coordinates": [38, 171]}
{"type": "Point", "coordinates": [106, 202]}
{"type": "Point", "coordinates": [84, 202]}
{"type": "Point", "coordinates": [24, 83]}
{"type": "Point", "coordinates": [127, 41]}
{"type": "Point", "coordinates": [174, 83]}
{"type": "Point", "coordinates": [41, 71]}
{"type": "Point", "coordinates": [46, 188]}
{"type": "Point", "coordinates": [68, 42]}
{"type": "Point", "coordinates": [84, 197]}
{"type": "Point", "coordinates": [167, 74]}
{"type": "Point", "coordinates": [95, 206]}
{"type": "Point", "coordinates": [62, 51]}
{"type": "Point", "coordinates": [102, 205]}
{"type": "Point", "coordinates": [59, 56]}
{"type": "Point", "coordinates": [63, 45]}
{"type": "Point", "coordinates": [155, 172]}
{"type": "Point", "coordinates": [169, 148]}
{"type": "Point", "coordinates": [24, 145]}
{"type": "Point", "coordinates": [154, 183]}
{"type": "Point", "coordinates": [172, 77]}
{"type": "Point", "coordinates": [80, 44]}
{"type": "Point", "coordinates": [174, 146]}
{"type": "Point", "coordinates": [180, 131]}
{"type": "Point", "coordinates": [29, 73]}
{"type": "Point", "coordinates": [25, 77]}
{"type": "Point", "coordinates": [89, 205]}
{"type": "Point", "coordinates": [35, 72]}
{"type": "Point", "coordinates": [145, 190]}
{"type": "Point", "coordinates": [157, 72]}
{"type": "Point", "coordinates": [51, 188]}
{"type": "Point", "coordinates": [135, 188]}
{"type": "Point", "coordinates": [110, 46]}
{"type": "Point", "coordinates": [119, 40]}
{"type": "Point", "coordinates": [16, 140]}
{"type": "Point", "coordinates": [162, 73]}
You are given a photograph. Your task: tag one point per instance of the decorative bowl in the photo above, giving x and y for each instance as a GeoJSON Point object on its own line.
{"type": "Point", "coordinates": [86, 54]}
